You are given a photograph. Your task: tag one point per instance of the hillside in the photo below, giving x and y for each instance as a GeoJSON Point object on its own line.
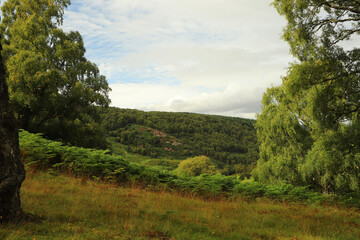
{"type": "Point", "coordinates": [227, 140]}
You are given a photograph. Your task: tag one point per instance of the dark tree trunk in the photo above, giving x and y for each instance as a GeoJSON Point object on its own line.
{"type": "Point", "coordinates": [12, 172]}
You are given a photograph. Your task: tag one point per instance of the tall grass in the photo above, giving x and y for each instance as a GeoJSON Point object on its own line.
{"type": "Point", "coordinates": [75, 208]}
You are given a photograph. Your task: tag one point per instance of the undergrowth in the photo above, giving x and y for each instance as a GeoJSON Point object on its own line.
{"type": "Point", "coordinates": [40, 153]}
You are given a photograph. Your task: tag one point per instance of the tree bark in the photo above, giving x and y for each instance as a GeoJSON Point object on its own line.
{"type": "Point", "coordinates": [12, 172]}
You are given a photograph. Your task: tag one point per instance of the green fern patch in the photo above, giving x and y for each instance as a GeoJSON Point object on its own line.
{"type": "Point", "coordinates": [40, 153]}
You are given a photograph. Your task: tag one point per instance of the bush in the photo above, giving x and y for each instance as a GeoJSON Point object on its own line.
{"type": "Point", "coordinates": [196, 166]}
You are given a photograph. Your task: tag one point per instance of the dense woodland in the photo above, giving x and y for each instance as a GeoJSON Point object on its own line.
{"type": "Point", "coordinates": [227, 140]}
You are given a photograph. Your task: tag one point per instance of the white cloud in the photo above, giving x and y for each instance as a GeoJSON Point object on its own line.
{"type": "Point", "coordinates": [207, 56]}
{"type": "Point", "coordinates": [235, 100]}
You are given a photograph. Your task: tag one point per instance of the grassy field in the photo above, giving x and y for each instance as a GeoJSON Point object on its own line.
{"type": "Point", "coordinates": [82, 209]}
{"type": "Point", "coordinates": [159, 163]}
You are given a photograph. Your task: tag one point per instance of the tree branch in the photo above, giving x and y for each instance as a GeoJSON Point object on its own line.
{"type": "Point", "coordinates": [338, 7]}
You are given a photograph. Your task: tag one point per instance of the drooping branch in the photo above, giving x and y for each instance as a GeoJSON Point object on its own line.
{"type": "Point", "coordinates": [344, 35]}
{"type": "Point", "coordinates": [331, 4]}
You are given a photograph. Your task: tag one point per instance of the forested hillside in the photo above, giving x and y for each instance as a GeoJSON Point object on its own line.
{"type": "Point", "coordinates": [227, 140]}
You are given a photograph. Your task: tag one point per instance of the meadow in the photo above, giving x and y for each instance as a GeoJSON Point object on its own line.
{"type": "Point", "coordinates": [91, 194]}
{"type": "Point", "coordinates": [78, 208]}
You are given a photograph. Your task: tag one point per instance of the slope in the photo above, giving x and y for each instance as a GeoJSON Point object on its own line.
{"type": "Point", "coordinates": [227, 140]}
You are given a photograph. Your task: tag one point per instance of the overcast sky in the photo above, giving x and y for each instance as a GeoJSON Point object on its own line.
{"type": "Point", "coordinates": [203, 56]}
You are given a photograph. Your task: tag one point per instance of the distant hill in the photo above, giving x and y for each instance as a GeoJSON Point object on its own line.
{"type": "Point", "coordinates": [227, 140]}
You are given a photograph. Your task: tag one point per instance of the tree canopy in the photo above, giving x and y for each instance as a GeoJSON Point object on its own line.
{"type": "Point", "coordinates": [309, 125]}
{"type": "Point", "coordinates": [53, 88]}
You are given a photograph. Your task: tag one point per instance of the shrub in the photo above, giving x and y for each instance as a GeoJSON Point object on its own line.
{"type": "Point", "coordinates": [196, 166]}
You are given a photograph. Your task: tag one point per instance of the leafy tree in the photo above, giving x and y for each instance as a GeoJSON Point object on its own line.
{"type": "Point", "coordinates": [53, 88]}
{"type": "Point", "coordinates": [196, 166]}
{"type": "Point", "coordinates": [12, 172]}
{"type": "Point", "coordinates": [309, 126]}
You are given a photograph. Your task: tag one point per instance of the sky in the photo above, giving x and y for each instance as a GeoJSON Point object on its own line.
{"type": "Point", "coordinates": [203, 56]}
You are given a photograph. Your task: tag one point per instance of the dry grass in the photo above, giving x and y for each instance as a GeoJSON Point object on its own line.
{"type": "Point", "coordinates": [81, 209]}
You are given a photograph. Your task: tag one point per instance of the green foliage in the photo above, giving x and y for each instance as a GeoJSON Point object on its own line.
{"type": "Point", "coordinates": [196, 166]}
{"type": "Point", "coordinates": [309, 126]}
{"type": "Point", "coordinates": [227, 140]}
{"type": "Point", "coordinates": [53, 87]}
{"type": "Point", "coordinates": [40, 153]}
{"type": "Point", "coordinates": [317, 25]}
{"type": "Point", "coordinates": [283, 140]}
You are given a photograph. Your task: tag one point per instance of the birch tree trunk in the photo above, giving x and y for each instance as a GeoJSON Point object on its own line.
{"type": "Point", "coordinates": [12, 172]}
